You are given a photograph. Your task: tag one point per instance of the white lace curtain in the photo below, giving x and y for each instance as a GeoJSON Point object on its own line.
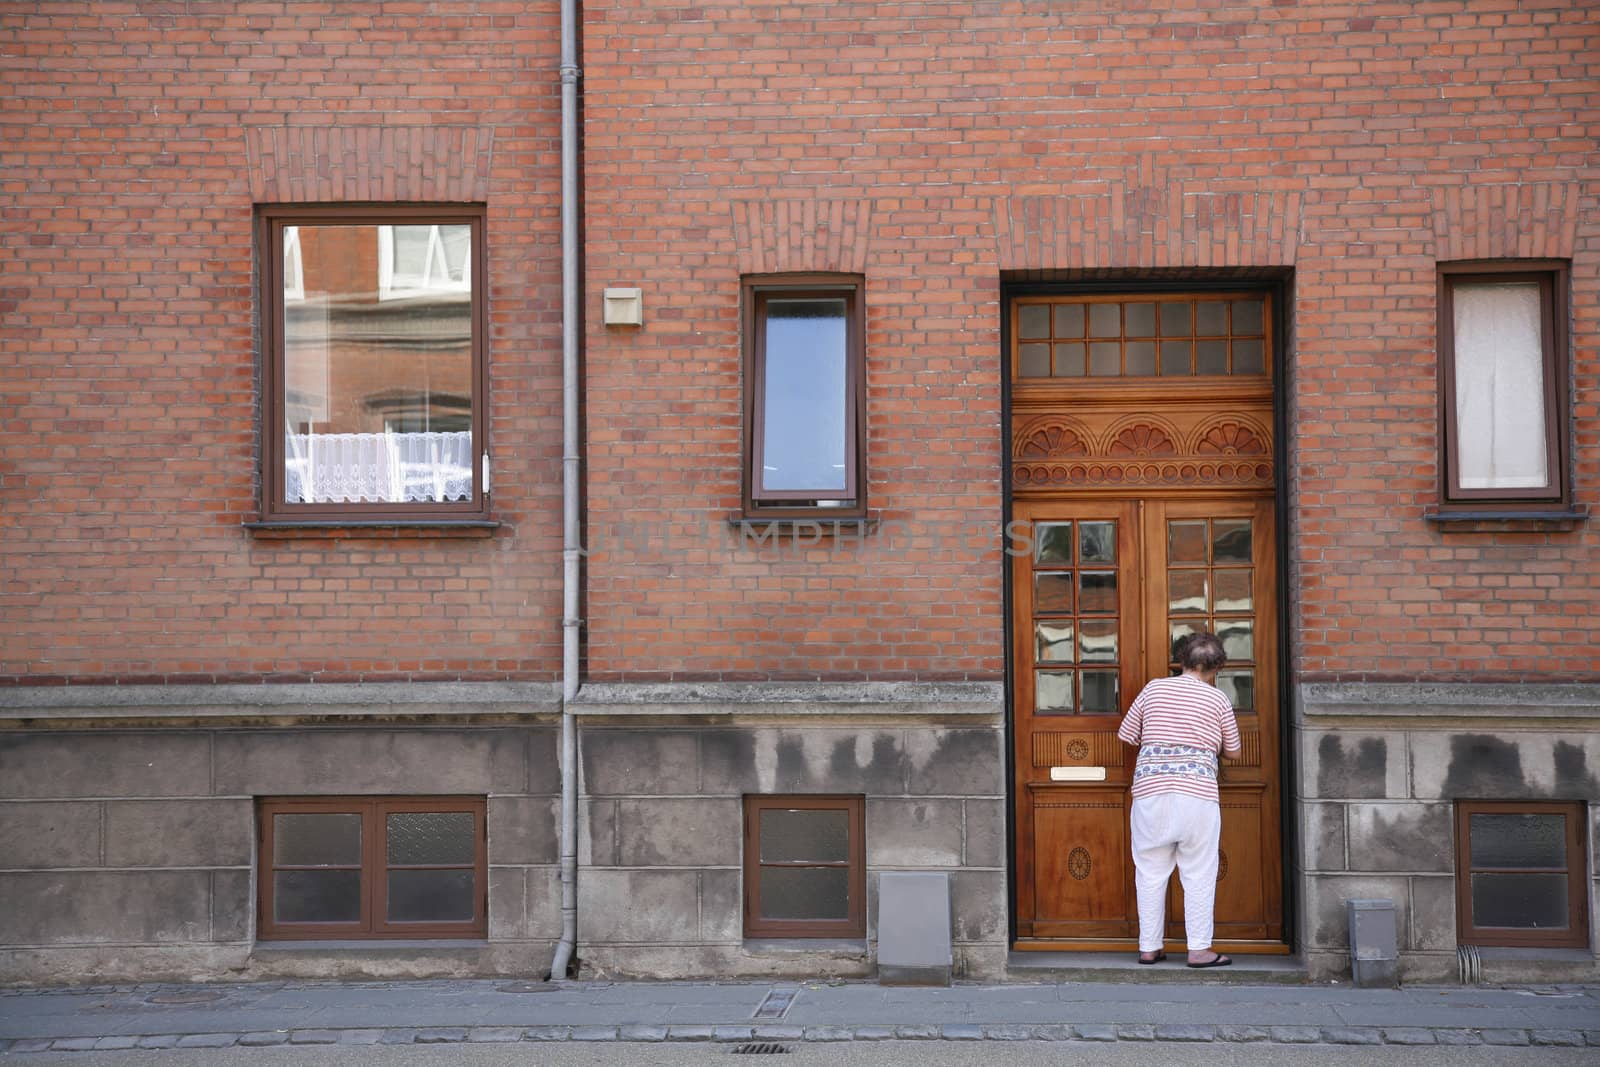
{"type": "Point", "coordinates": [339, 468]}
{"type": "Point", "coordinates": [1500, 416]}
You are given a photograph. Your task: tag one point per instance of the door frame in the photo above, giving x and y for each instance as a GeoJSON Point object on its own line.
{"type": "Point", "coordinates": [1279, 282]}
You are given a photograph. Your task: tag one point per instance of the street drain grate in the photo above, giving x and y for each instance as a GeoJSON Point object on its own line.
{"type": "Point", "coordinates": [198, 996]}
{"type": "Point", "coordinates": [775, 1005]}
{"type": "Point", "coordinates": [759, 1048]}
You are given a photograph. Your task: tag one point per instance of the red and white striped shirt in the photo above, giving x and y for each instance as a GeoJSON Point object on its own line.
{"type": "Point", "coordinates": [1179, 724]}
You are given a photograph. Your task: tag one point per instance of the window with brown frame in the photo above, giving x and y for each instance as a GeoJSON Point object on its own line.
{"type": "Point", "coordinates": [373, 363]}
{"type": "Point", "coordinates": [805, 866]}
{"type": "Point", "coordinates": [1520, 874]}
{"type": "Point", "coordinates": [1502, 396]}
{"type": "Point", "coordinates": [1153, 334]}
{"type": "Point", "coordinates": [372, 867]}
{"type": "Point", "coordinates": [805, 389]}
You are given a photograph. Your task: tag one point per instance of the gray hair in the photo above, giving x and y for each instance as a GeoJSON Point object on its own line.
{"type": "Point", "coordinates": [1201, 652]}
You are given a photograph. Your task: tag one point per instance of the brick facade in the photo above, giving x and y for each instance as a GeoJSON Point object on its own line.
{"type": "Point", "coordinates": [139, 137]}
{"type": "Point", "coordinates": [934, 149]}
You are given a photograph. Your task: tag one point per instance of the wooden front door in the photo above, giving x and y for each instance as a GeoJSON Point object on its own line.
{"type": "Point", "coordinates": [1143, 510]}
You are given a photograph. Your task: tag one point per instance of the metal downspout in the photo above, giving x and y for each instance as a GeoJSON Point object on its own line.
{"type": "Point", "coordinates": [570, 544]}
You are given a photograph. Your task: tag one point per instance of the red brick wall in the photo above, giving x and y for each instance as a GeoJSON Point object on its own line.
{"type": "Point", "coordinates": [137, 138]}
{"type": "Point", "coordinates": [932, 146]}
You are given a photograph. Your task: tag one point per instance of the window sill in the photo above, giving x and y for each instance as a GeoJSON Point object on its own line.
{"type": "Point", "coordinates": [1535, 516]}
{"type": "Point", "coordinates": [408, 945]}
{"type": "Point", "coordinates": [1533, 954]}
{"type": "Point", "coordinates": [845, 948]}
{"type": "Point", "coordinates": [810, 526]}
{"type": "Point", "coordinates": [293, 528]}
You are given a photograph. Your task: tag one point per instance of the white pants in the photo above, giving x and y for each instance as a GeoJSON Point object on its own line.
{"type": "Point", "coordinates": [1173, 828]}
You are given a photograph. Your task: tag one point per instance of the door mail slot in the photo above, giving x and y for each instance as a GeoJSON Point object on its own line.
{"type": "Point", "coordinates": [1077, 774]}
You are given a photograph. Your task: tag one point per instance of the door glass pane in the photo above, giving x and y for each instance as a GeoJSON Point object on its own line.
{"type": "Point", "coordinates": [1238, 638]}
{"type": "Point", "coordinates": [1249, 318]}
{"type": "Point", "coordinates": [1520, 901]}
{"type": "Point", "coordinates": [805, 893]}
{"type": "Point", "coordinates": [1069, 360]}
{"type": "Point", "coordinates": [1175, 319]}
{"type": "Point", "coordinates": [1249, 357]}
{"type": "Point", "coordinates": [1052, 543]}
{"type": "Point", "coordinates": [1141, 320]}
{"type": "Point", "coordinates": [1099, 692]}
{"type": "Point", "coordinates": [1231, 587]}
{"type": "Point", "coordinates": [1178, 630]}
{"type": "Point", "coordinates": [1033, 320]}
{"type": "Point", "coordinates": [430, 896]}
{"type": "Point", "coordinates": [1052, 594]}
{"type": "Point", "coordinates": [1097, 542]}
{"type": "Point", "coordinates": [1105, 358]}
{"type": "Point", "coordinates": [1035, 361]}
{"type": "Point", "coordinates": [1186, 591]}
{"type": "Point", "coordinates": [316, 896]}
{"type": "Point", "coordinates": [431, 837]}
{"type": "Point", "coordinates": [1052, 691]}
{"type": "Point", "coordinates": [1512, 839]}
{"type": "Point", "coordinates": [1230, 541]}
{"type": "Point", "coordinates": [804, 402]}
{"type": "Point", "coordinates": [805, 835]}
{"type": "Point", "coordinates": [1097, 592]}
{"type": "Point", "coordinates": [1499, 386]}
{"type": "Point", "coordinates": [1069, 320]}
{"type": "Point", "coordinates": [317, 839]}
{"type": "Point", "coordinates": [1211, 357]}
{"type": "Point", "coordinates": [1239, 687]}
{"type": "Point", "coordinates": [1097, 641]}
{"type": "Point", "coordinates": [1176, 357]}
{"type": "Point", "coordinates": [1105, 320]}
{"type": "Point", "coordinates": [1211, 318]}
{"type": "Point", "coordinates": [1053, 642]}
{"type": "Point", "coordinates": [1186, 542]}
{"type": "Point", "coordinates": [1140, 357]}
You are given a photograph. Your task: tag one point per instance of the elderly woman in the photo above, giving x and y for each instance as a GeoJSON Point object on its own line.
{"type": "Point", "coordinates": [1179, 724]}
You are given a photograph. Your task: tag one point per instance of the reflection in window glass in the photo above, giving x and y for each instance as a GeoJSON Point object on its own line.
{"type": "Point", "coordinates": [1052, 594]}
{"type": "Point", "coordinates": [804, 401]}
{"type": "Point", "coordinates": [1239, 686]}
{"type": "Point", "coordinates": [1097, 542]}
{"type": "Point", "coordinates": [1186, 591]}
{"type": "Point", "coordinates": [1238, 638]}
{"type": "Point", "coordinates": [377, 338]}
{"type": "Point", "coordinates": [1099, 692]}
{"type": "Point", "coordinates": [1097, 592]}
{"type": "Point", "coordinates": [1230, 541]}
{"type": "Point", "coordinates": [1052, 543]}
{"type": "Point", "coordinates": [1097, 641]}
{"type": "Point", "coordinates": [1052, 691]}
{"type": "Point", "coordinates": [1054, 641]}
{"type": "Point", "coordinates": [1186, 542]}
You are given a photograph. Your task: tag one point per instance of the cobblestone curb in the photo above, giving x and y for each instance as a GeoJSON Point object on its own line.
{"type": "Point", "coordinates": [731, 1035]}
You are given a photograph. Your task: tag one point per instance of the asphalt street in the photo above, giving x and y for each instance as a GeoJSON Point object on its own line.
{"type": "Point", "coordinates": [856, 1054]}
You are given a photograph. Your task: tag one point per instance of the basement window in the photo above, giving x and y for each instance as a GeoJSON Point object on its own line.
{"type": "Point", "coordinates": [805, 867]}
{"type": "Point", "coordinates": [372, 867]}
{"type": "Point", "coordinates": [1520, 877]}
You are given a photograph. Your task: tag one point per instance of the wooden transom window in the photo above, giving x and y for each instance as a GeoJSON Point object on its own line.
{"type": "Point", "coordinates": [805, 386]}
{"type": "Point", "coordinates": [1502, 369]}
{"type": "Point", "coordinates": [805, 868]}
{"type": "Point", "coordinates": [1520, 874]}
{"type": "Point", "coordinates": [373, 345]}
{"type": "Point", "coordinates": [1141, 336]}
{"type": "Point", "coordinates": [372, 867]}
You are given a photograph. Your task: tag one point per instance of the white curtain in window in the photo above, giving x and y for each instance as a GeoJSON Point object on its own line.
{"type": "Point", "coordinates": [340, 468]}
{"type": "Point", "coordinates": [1499, 386]}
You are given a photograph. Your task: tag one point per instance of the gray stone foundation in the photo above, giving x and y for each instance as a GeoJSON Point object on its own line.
{"type": "Point", "coordinates": [1381, 769]}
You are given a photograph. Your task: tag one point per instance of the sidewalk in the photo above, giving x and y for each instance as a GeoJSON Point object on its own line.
{"type": "Point", "coordinates": [472, 1010]}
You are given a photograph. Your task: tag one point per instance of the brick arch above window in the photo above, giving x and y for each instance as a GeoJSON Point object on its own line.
{"type": "Point", "coordinates": [369, 164]}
